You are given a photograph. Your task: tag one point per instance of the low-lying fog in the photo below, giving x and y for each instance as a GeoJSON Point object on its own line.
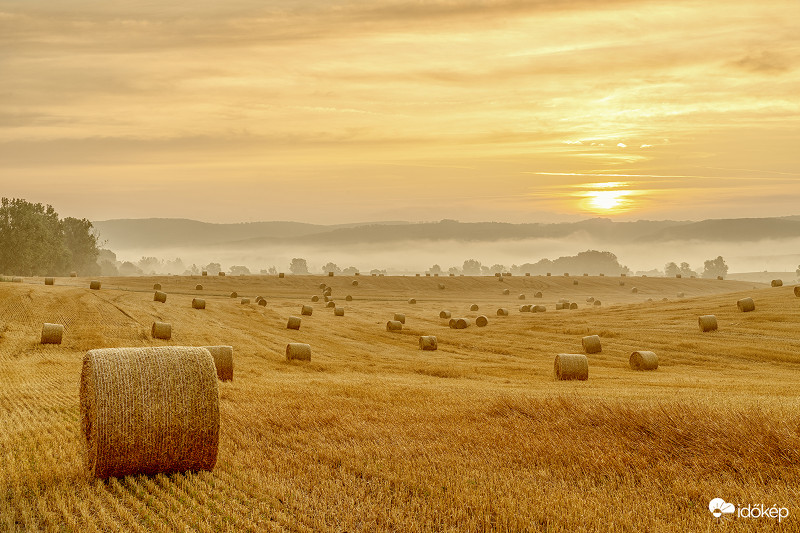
{"type": "Point", "coordinates": [408, 257]}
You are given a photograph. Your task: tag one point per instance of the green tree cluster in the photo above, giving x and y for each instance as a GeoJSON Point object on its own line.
{"type": "Point", "coordinates": [34, 241]}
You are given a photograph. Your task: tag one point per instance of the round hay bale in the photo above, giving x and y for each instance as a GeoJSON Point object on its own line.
{"type": "Point", "coordinates": [394, 325]}
{"type": "Point", "coordinates": [161, 330]}
{"type": "Point", "coordinates": [221, 274]}
{"type": "Point", "coordinates": [481, 321]}
{"type": "Point", "coordinates": [560, 306]}
{"type": "Point", "coordinates": [590, 299]}
{"type": "Point", "coordinates": [234, 294]}
{"type": "Point", "coordinates": [198, 287]}
{"type": "Point", "coordinates": [452, 323]}
{"type": "Point", "coordinates": [338, 311]}
{"type": "Point", "coordinates": [527, 273]}
{"type": "Point", "coordinates": [204, 273]}
{"type": "Point", "coordinates": [94, 285]}
{"type": "Point", "coordinates": [664, 299]}
{"type": "Point", "coordinates": [574, 281]}
{"type": "Point", "coordinates": [348, 298]}
{"type": "Point", "coordinates": [52, 333]}
{"type": "Point", "coordinates": [262, 302]}
{"type": "Point", "coordinates": [720, 278]}
{"type": "Point", "coordinates": [506, 291]}
{"type": "Point", "coordinates": [315, 298]}
{"type": "Point", "coordinates": [746, 305]}
{"type": "Point", "coordinates": [198, 303]}
{"type": "Point", "coordinates": [245, 301]}
{"type": "Point", "coordinates": [330, 274]}
{"type": "Point", "coordinates": [412, 300]}
{"type": "Point", "coordinates": [777, 283]}
{"type": "Point", "coordinates": [327, 292]}
{"type": "Point", "coordinates": [681, 295]}
{"type": "Point", "coordinates": [298, 351]}
{"type": "Point", "coordinates": [354, 283]}
{"type": "Point", "coordinates": [156, 286]}
{"type": "Point", "coordinates": [322, 286]}
{"type": "Point", "coordinates": [643, 360]}
{"type": "Point", "coordinates": [525, 308]}
{"type": "Point", "coordinates": [428, 342]}
{"type": "Point", "coordinates": [281, 275]}
{"type": "Point", "coordinates": [73, 274]}
{"type": "Point", "coordinates": [445, 314]}
{"type": "Point", "coordinates": [327, 299]}
{"type": "Point", "coordinates": [400, 317]}
{"type": "Point", "coordinates": [416, 275]}
{"type": "Point", "coordinates": [634, 290]}
{"type": "Point", "coordinates": [427, 274]}
{"type": "Point", "coordinates": [797, 291]}
{"type": "Point", "coordinates": [585, 274]}
{"type": "Point", "coordinates": [573, 305]}
{"type": "Point", "coordinates": [538, 309]}
{"type": "Point", "coordinates": [259, 298]}
{"type": "Point", "coordinates": [357, 274]}
{"type": "Point", "coordinates": [49, 281]}
{"type": "Point", "coordinates": [566, 274]}
{"type": "Point", "coordinates": [331, 304]}
{"type": "Point", "coordinates": [452, 275]}
{"type": "Point", "coordinates": [678, 276]}
{"type": "Point", "coordinates": [293, 323]}
{"type": "Point", "coordinates": [497, 274]}
{"type": "Point", "coordinates": [597, 303]}
{"type": "Point", "coordinates": [441, 286]}
{"type": "Point", "coordinates": [501, 280]}
{"type": "Point", "coordinates": [521, 297]}
{"type": "Point", "coordinates": [537, 294]}
{"type": "Point", "coordinates": [601, 275]}
{"type": "Point", "coordinates": [621, 283]}
{"type": "Point", "coordinates": [149, 410]}
{"type": "Point", "coordinates": [461, 323]}
{"type": "Point", "coordinates": [571, 366]}
{"type": "Point", "coordinates": [707, 323]}
{"type": "Point", "coordinates": [502, 312]}
{"type": "Point", "coordinates": [306, 310]}
{"type": "Point", "coordinates": [473, 307]}
{"type": "Point", "coordinates": [548, 274]}
{"type": "Point", "coordinates": [622, 275]}
{"type": "Point", "coordinates": [591, 344]}
{"type": "Point", "coordinates": [160, 296]}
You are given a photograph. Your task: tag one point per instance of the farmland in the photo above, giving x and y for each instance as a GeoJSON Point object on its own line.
{"type": "Point", "coordinates": [375, 434]}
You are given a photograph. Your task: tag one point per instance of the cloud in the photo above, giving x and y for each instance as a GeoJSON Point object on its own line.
{"type": "Point", "coordinates": [765, 62]}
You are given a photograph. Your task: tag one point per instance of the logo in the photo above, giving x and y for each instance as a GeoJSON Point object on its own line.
{"type": "Point", "coordinates": [719, 507]}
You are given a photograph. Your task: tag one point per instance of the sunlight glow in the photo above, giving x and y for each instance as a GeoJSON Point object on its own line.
{"type": "Point", "coordinates": [607, 197]}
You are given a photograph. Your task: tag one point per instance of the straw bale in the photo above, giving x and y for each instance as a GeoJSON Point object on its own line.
{"type": "Point", "coordinates": [161, 330]}
{"type": "Point", "coordinates": [506, 291]}
{"type": "Point", "coordinates": [156, 286]}
{"type": "Point", "coordinates": [481, 321]}
{"type": "Point", "coordinates": [461, 323]}
{"type": "Point", "coordinates": [591, 344]}
{"type": "Point", "coordinates": [394, 325]}
{"type": "Point", "coordinates": [777, 283]}
{"type": "Point", "coordinates": [597, 303]}
{"type": "Point", "coordinates": [428, 342]}
{"type": "Point", "coordinates": [160, 296]}
{"type": "Point", "coordinates": [707, 323]}
{"type": "Point", "coordinates": [573, 305]}
{"type": "Point", "coordinates": [234, 294]}
{"type": "Point", "coordinates": [452, 323]}
{"type": "Point", "coordinates": [400, 317]}
{"type": "Point", "coordinates": [473, 307]}
{"type": "Point", "coordinates": [521, 297]}
{"type": "Point", "coordinates": [223, 361]}
{"type": "Point", "coordinates": [94, 285]}
{"type": "Point", "coordinates": [293, 323]}
{"type": "Point", "coordinates": [73, 274]}
{"type": "Point", "coordinates": [746, 305]}
{"type": "Point", "coordinates": [52, 333]}
{"type": "Point", "coordinates": [643, 360]}
{"type": "Point", "coordinates": [797, 291]}
{"type": "Point", "coordinates": [571, 366]}
{"type": "Point", "coordinates": [315, 298]}
{"type": "Point", "coordinates": [306, 310]}
{"type": "Point", "coordinates": [198, 287]}
{"type": "Point", "coordinates": [538, 309]}
{"type": "Point", "coordinates": [331, 304]}
{"type": "Point", "coordinates": [441, 286]}
{"type": "Point", "coordinates": [525, 308]}
{"type": "Point", "coordinates": [634, 290]}
{"type": "Point", "coordinates": [149, 410]}
{"type": "Point", "coordinates": [204, 273]}
{"type": "Point", "coordinates": [502, 312]}
{"type": "Point", "coordinates": [355, 283]}
{"type": "Point", "coordinates": [537, 294]}
{"type": "Point", "coordinates": [262, 302]}
{"type": "Point", "coordinates": [221, 274]}
{"type": "Point", "coordinates": [299, 351]}
{"type": "Point", "coordinates": [445, 314]}
{"type": "Point", "coordinates": [338, 311]}
{"type": "Point", "coordinates": [412, 300]}
{"type": "Point", "coordinates": [348, 298]}
{"type": "Point", "coordinates": [245, 300]}
{"type": "Point", "coordinates": [49, 281]}
{"type": "Point", "coordinates": [198, 303]}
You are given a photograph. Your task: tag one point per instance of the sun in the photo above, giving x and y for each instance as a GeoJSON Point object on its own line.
{"type": "Point", "coordinates": [605, 200]}
{"type": "Point", "coordinates": [609, 197]}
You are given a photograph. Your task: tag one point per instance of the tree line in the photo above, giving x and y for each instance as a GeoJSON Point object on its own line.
{"type": "Point", "coordinates": [34, 241]}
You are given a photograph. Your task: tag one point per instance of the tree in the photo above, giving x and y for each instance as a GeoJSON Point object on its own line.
{"type": "Point", "coordinates": [213, 269]}
{"type": "Point", "coordinates": [686, 270]}
{"type": "Point", "coordinates": [494, 269]}
{"type": "Point", "coordinates": [377, 272]}
{"type": "Point", "coordinates": [454, 270]}
{"type": "Point", "coordinates": [81, 241]}
{"type": "Point", "coordinates": [129, 269]}
{"type": "Point", "coordinates": [149, 265]}
{"type": "Point", "coordinates": [239, 270]}
{"type": "Point", "coordinates": [435, 269]}
{"type": "Point", "coordinates": [298, 266]}
{"type": "Point", "coordinates": [331, 267]}
{"type": "Point", "coordinates": [350, 271]}
{"type": "Point", "coordinates": [471, 267]}
{"type": "Point", "coordinates": [271, 270]}
{"type": "Point", "coordinates": [671, 270]}
{"type": "Point", "coordinates": [715, 267]}
{"type": "Point", "coordinates": [798, 271]}
{"type": "Point", "coordinates": [31, 239]}
{"type": "Point", "coordinates": [107, 268]}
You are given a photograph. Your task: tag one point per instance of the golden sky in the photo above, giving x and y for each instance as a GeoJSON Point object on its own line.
{"type": "Point", "coordinates": [330, 111]}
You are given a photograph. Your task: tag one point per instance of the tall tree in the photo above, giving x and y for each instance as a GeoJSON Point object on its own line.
{"type": "Point", "coordinates": [298, 266]}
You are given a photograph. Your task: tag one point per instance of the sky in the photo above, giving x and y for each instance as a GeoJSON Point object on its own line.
{"type": "Point", "coordinates": [333, 112]}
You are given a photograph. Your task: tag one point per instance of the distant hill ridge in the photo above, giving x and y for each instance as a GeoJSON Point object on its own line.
{"type": "Point", "coordinates": [165, 232]}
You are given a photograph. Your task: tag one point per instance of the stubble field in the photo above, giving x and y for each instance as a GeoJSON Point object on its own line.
{"type": "Point", "coordinates": [376, 435]}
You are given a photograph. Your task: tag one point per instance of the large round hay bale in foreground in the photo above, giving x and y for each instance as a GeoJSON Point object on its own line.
{"type": "Point", "coordinates": [643, 360]}
{"type": "Point", "coordinates": [198, 287]}
{"type": "Point", "coordinates": [502, 312]}
{"type": "Point", "coordinates": [160, 296]}
{"type": "Point", "coordinates": [49, 281]}
{"type": "Point", "coordinates": [473, 307]}
{"type": "Point", "coordinates": [400, 317]}
{"type": "Point", "coordinates": [797, 291]}
{"type": "Point", "coordinates": [571, 366]}
{"type": "Point", "coordinates": [198, 303]}
{"type": "Point", "coordinates": [299, 351]}
{"type": "Point", "coordinates": [461, 323]}
{"type": "Point", "coordinates": [412, 300]}
{"type": "Point", "coordinates": [52, 333]}
{"type": "Point", "coordinates": [591, 344]}
{"type": "Point", "coordinates": [394, 325]}
{"type": "Point", "coordinates": [306, 310]}
{"type": "Point", "coordinates": [156, 286]}
{"type": "Point", "coordinates": [746, 305]}
{"type": "Point", "coordinates": [223, 361]}
{"type": "Point", "coordinates": [777, 283]}
{"type": "Point", "coordinates": [161, 330]}
{"type": "Point", "coordinates": [149, 410]}
{"type": "Point", "coordinates": [445, 314]}
{"type": "Point", "coordinates": [293, 323]}
{"type": "Point", "coordinates": [428, 342]}
{"type": "Point", "coordinates": [481, 321]}
{"type": "Point", "coordinates": [506, 291]}
{"type": "Point", "coordinates": [338, 311]}
{"type": "Point", "coordinates": [707, 323]}
{"type": "Point", "coordinates": [94, 285]}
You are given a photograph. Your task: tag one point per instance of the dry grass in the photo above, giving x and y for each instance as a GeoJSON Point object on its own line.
{"type": "Point", "coordinates": [375, 434]}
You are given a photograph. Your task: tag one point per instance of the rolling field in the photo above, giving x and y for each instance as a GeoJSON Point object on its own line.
{"type": "Point", "coordinates": [376, 435]}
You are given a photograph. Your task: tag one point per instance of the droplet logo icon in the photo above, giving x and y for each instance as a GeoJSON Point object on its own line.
{"type": "Point", "coordinates": [719, 507]}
